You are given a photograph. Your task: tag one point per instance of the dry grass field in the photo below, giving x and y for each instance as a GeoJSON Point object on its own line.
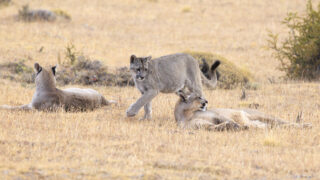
{"type": "Point", "coordinates": [104, 144]}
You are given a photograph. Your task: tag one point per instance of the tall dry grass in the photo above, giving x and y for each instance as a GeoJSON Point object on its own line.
{"type": "Point", "coordinates": [104, 144]}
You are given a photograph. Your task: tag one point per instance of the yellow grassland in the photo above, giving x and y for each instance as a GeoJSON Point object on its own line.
{"type": "Point", "coordinates": [104, 144]}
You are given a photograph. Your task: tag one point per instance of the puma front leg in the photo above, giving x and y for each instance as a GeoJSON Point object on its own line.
{"type": "Point", "coordinates": [147, 111]}
{"type": "Point", "coordinates": [142, 101]}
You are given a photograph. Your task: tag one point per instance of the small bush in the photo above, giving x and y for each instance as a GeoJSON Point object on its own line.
{"type": "Point", "coordinates": [71, 54]}
{"type": "Point", "coordinates": [299, 53]}
{"type": "Point", "coordinates": [17, 70]}
{"type": "Point", "coordinates": [230, 75]}
{"type": "Point", "coordinates": [78, 69]}
{"type": "Point", "coordinates": [92, 72]}
{"type": "Point", "coordinates": [4, 2]}
{"type": "Point", "coordinates": [23, 12]}
{"type": "Point", "coordinates": [28, 15]}
{"type": "Point", "coordinates": [84, 71]}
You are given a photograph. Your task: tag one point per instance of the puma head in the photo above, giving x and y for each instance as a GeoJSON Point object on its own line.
{"type": "Point", "coordinates": [139, 67]}
{"type": "Point", "coordinates": [45, 76]}
{"type": "Point", "coordinates": [192, 102]}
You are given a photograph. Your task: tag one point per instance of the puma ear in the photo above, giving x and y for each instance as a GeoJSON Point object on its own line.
{"type": "Point", "coordinates": [132, 58]}
{"type": "Point", "coordinates": [54, 70]}
{"type": "Point", "coordinates": [182, 96]}
{"type": "Point", "coordinates": [37, 67]}
{"type": "Point", "coordinates": [148, 58]}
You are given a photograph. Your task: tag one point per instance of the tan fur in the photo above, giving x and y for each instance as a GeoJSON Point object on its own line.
{"type": "Point", "coordinates": [166, 74]}
{"type": "Point", "coordinates": [49, 98]}
{"type": "Point", "coordinates": [189, 115]}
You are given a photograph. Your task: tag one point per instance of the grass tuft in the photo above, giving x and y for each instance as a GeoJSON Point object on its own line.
{"type": "Point", "coordinates": [62, 13]}
{"type": "Point", "coordinates": [186, 10]}
{"type": "Point", "coordinates": [271, 140]}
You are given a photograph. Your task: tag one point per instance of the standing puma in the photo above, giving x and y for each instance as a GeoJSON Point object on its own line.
{"type": "Point", "coordinates": [49, 98]}
{"type": "Point", "coordinates": [166, 74]}
{"type": "Point", "coordinates": [188, 114]}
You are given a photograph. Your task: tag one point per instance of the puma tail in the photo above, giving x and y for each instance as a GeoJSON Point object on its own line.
{"type": "Point", "coordinates": [105, 102]}
{"type": "Point", "coordinates": [212, 79]}
{"type": "Point", "coordinates": [25, 107]}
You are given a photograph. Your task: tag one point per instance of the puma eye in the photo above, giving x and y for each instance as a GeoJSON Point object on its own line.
{"type": "Point", "coordinates": [138, 69]}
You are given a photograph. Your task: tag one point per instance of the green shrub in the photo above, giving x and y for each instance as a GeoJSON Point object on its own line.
{"type": "Point", "coordinates": [299, 53]}
{"type": "Point", "coordinates": [231, 76]}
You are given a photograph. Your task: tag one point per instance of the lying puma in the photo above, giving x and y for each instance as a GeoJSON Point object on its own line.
{"type": "Point", "coordinates": [188, 114]}
{"type": "Point", "coordinates": [49, 98]}
{"type": "Point", "coordinates": [166, 74]}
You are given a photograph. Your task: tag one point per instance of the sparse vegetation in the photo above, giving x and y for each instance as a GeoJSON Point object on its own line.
{"type": "Point", "coordinates": [29, 15]}
{"type": "Point", "coordinates": [104, 144]}
{"type": "Point", "coordinates": [62, 13]}
{"type": "Point", "coordinates": [83, 71]}
{"type": "Point", "coordinates": [17, 71]}
{"type": "Point", "coordinates": [23, 12]}
{"type": "Point", "coordinates": [186, 10]}
{"type": "Point", "coordinates": [26, 14]}
{"type": "Point", "coordinates": [271, 140]}
{"type": "Point", "coordinates": [4, 2]}
{"type": "Point", "coordinates": [230, 76]}
{"type": "Point", "coordinates": [87, 72]}
{"type": "Point", "coordinates": [79, 69]}
{"type": "Point", "coordinates": [71, 54]}
{"type": "Point", "coordinates": [299, 54]}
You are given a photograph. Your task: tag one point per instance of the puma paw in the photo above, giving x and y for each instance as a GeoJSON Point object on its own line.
{"type": "Point", "coordinates": [146, 117]}
{"type": "Point", "coordinates": [130, 112]}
